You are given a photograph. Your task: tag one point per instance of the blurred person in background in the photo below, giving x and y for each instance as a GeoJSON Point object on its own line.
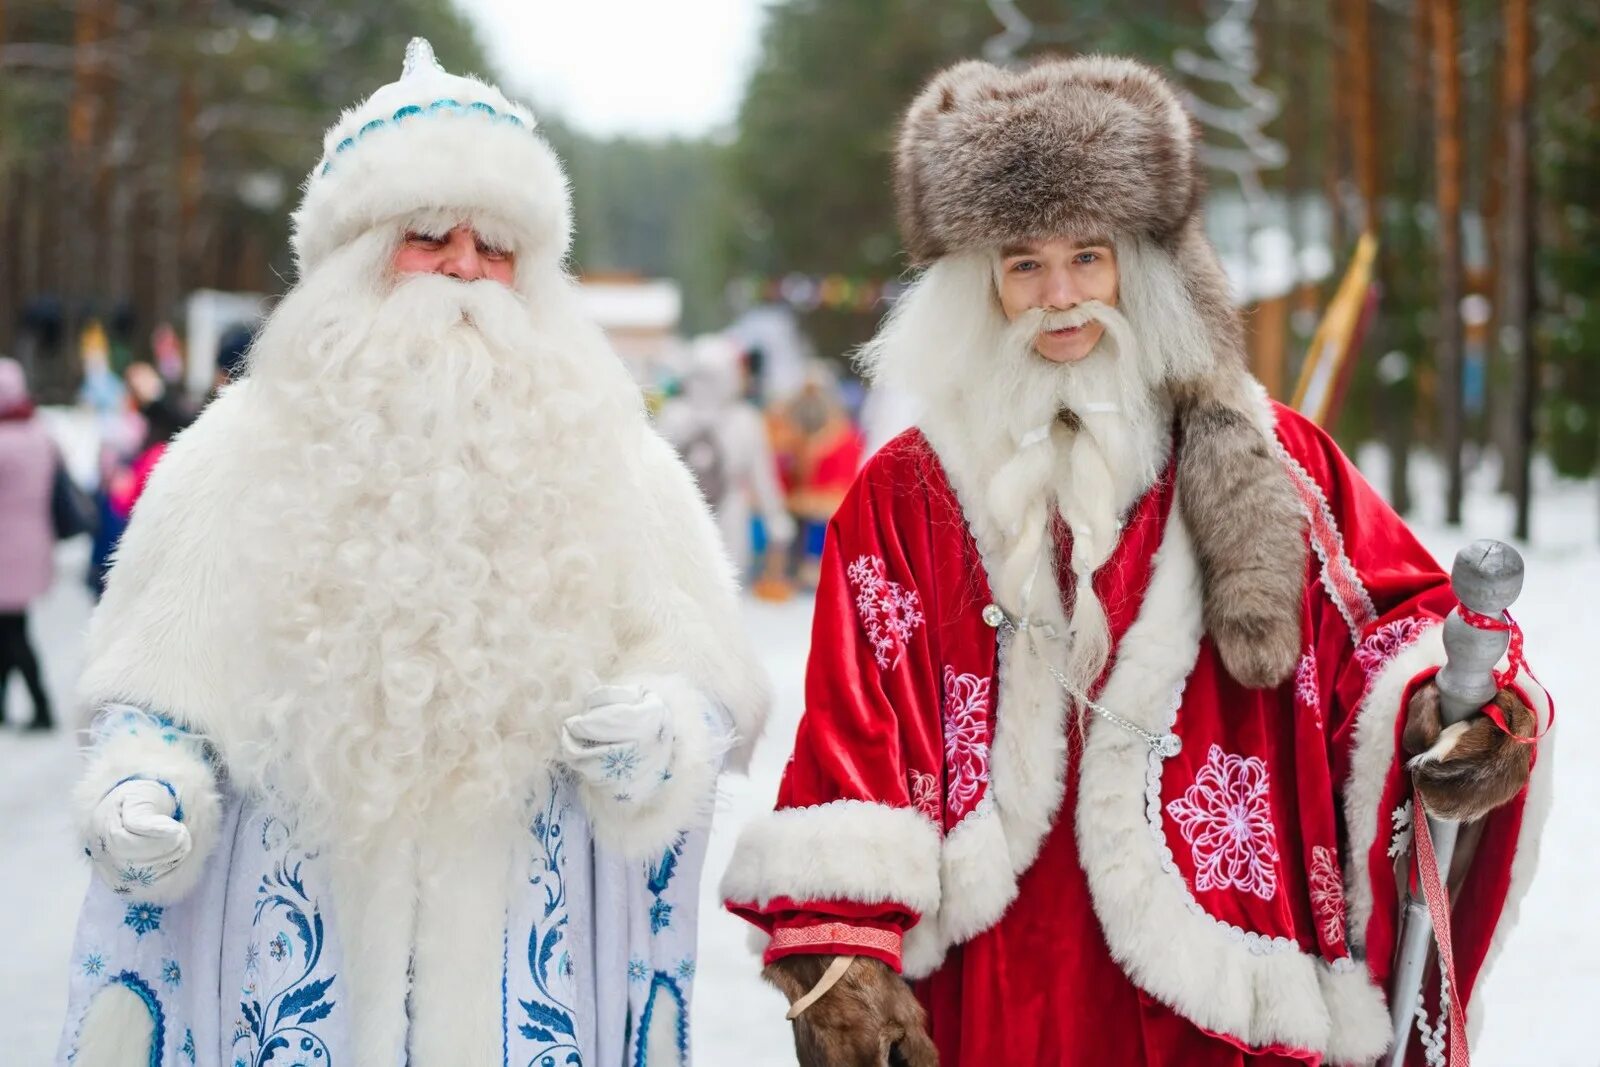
{"type": "Point", "coordinates": [163, 419]}
{"type": "Point", "coordinates": [231, 352]}
{"type": "Point", "coordinates": [166, 354]}
{"type": "Point", "coordinates": [723, 440]}
{"type": "Point", "coordinates": [121, 431]}
{"type": "Point", "coordinates": [820, 451]}
{"type": "Point", "coordinates": [420, 659]}
{"type": "Point", "coordinates": [28, 465]}
{"type": "Point", "coordinates": [1121, 681]}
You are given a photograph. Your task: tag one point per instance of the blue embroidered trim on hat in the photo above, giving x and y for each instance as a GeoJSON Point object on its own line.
{"type": "Point", "coordinates": [444, 105]}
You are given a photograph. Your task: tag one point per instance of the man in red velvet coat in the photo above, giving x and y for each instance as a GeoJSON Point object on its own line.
{"type": "Point", "coordinates": [1117, 666]}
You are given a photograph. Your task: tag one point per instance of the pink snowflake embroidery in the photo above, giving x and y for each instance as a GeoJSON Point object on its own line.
{"type": "Point", "coordinates": [889, 611]}
{"type": "Point", "coordinates": [1227, 819]}
{"type": "Point", "coordinates": [925, 795]}
{"type": "Point", "coordinates": [1305, 686]}
{"type": "Point", "coordinates": [966, 738]}
{"type": "Point", "coordinates": [1384, 643]}
{"type": "Point", "coordinates": [1327, 894]}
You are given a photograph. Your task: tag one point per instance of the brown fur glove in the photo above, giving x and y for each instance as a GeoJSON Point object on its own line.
{"type": "Point", "coordinates": [1467, 771]}
{"type": "Point", "coordinates": [870, 1018]}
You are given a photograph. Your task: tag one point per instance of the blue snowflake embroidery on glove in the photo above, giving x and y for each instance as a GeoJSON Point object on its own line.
{"type": "Point", "coordinates": [637, 971]}
{"type": "Point", "coordinates": [620, 764]}
{"type": "Point", "coordinates": [171, 974]}
{"type": "Point", "coordinates": [143, 918]}
{"type": "Point", "coordinates": [685, 970]}
{"type": "Point", "coordinates": [132, 876]}
{"type": "Point", "coordinates": [278, 947]}
{"type": "Point", "coordinates": [252, 957]}
{"type": "Point", "coordinates": [94, 965]}
{"type": "Point", "coordinates": [660, 916]}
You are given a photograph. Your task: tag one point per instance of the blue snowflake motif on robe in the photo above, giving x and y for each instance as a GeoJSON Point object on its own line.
{"type": "Point", "coordinates": [143, 918]}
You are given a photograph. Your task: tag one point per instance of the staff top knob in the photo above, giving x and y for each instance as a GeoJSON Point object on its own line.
{"type": "Point", "coordinates": [1487, 576]}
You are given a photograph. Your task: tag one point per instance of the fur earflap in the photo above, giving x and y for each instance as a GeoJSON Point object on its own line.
{"type": "Point", "coordinates": [1095, 145]}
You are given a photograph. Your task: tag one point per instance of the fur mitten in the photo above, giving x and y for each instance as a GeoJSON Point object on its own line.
{"type": "Point", "coordinates": [1466, 770]}
{"type": "Point", "coordinates": [870, 1018]}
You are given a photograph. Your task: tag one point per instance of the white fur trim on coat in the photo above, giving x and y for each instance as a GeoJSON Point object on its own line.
{"type": "Point", "coordinates": [636, 829]}
{"type": "Point", "coordinates": [143, 753]}
{"type": "Point", "coordinates": [852, 850]}
{"type": "Point", "coordinates": [457, 965]}
{"type": "Point", "coordinates": [117, 1030]}
{"type": "Point", "coordinates": [1371, 758]}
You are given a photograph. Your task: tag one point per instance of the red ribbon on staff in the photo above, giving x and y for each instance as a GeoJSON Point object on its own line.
{"type": "Point", "coordinates": [1437, 895]}
{"type": "Point", "coordinates": [1514, 665]}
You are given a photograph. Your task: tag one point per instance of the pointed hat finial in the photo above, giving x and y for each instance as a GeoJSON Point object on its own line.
{"type": "Point", "coordinates": [419, 57]}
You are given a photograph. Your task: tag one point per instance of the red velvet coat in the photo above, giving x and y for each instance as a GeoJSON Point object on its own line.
{"type": "Point", "coordinates": [1067, 896]}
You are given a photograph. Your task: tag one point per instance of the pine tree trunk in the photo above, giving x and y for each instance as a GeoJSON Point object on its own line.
{"type": "Point", "coordinates": [1518, 239]}
{"type": "Point", "coordinates": [1447, 152]}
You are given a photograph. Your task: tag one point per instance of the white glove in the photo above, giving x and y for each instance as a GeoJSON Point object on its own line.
{"type": "Point", "coordinates": [621, 743]}
{"type": "Point", "coordinates": [134, 837]}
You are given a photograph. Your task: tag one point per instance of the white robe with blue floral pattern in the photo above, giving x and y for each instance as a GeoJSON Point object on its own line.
{"type": "Point", "coordinates": [245, 971]}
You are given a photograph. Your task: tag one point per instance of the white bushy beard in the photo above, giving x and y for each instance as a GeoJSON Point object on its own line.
{"type": "Point", "coordinates": [949, 345]}
{"type": "Point", "coordinates": [432, 543]}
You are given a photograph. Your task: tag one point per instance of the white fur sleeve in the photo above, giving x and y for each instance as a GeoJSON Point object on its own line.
{"type": "Point", "coordinates": [701, 735]}
{"type": "Point", "coordinates": [685, 615]}
{"type": "Point", "coordinates": [129, 742]}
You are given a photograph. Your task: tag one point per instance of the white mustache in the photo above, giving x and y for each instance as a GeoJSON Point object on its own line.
{"type": "Point", "coordinates": [1077, 315]}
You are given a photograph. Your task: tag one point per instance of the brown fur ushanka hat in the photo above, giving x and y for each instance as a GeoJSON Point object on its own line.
{"type": "Point", "coordinates": [1094, 146]}
{"type": "Point", "coordinates": [1101, 146]}
{"type": "Point", "coordinates": [1084, 147]}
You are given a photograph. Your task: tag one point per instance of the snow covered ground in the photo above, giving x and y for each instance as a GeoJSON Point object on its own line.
{"type": "Point", "coordinates": [1536, 999]}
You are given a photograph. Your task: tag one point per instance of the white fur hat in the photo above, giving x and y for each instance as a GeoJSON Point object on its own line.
{"type": "Point", "coordinates": [434, 141]}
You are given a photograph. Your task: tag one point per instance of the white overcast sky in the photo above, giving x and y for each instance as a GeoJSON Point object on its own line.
{"type": "Point", "coordinates": [645, 67]}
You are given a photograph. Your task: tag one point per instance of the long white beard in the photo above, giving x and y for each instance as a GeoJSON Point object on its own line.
{"type": "Point", "coordinates": [432, 545]}
{"type": "Point", "coordinates": [1085, 440]}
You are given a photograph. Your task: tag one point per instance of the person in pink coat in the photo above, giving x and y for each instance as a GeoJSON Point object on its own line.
{"type": "Point", "coordinates": [27, 470]}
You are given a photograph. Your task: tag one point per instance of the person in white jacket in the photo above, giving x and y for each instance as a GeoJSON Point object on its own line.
{"type": "Point", "coordinates": [420, 658]}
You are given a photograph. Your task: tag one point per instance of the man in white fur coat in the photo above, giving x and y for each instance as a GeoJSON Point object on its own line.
{"type": "Point", "coordinates": [1116, 666]}
{"type": "Point", "coordinates": [420, 658]}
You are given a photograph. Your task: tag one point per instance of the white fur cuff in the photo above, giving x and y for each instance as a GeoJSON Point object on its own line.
{"type": "Point", "coordinates": [854, 850]}
{"type": "Point", "coordinates": [700, 738]}
{"type": "Point", "coordinates": [145, 751]}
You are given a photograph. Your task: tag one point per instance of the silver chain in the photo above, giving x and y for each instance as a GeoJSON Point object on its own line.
{"type": "Point", "coordinates": [1165, 745]}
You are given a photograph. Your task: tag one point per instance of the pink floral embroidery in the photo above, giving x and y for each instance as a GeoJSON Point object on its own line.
{"type": "Point", "coordinates": [1227, 819]}
{"type": "Point", "coordinates": [889, 611]}
{"type": "Point", "coordinates": [1306, 690]}
{"type": "Point", "coordinates": [1327, 895]}
{"type": "Point", "coordinates": [1384, 643]}
{"type": "Point", "coordinates": [966, 738]}
{"type": "Point", "coordinates": [925, 795]}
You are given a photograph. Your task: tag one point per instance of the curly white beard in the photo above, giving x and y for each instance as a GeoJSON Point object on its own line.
{"type": "Point", "coordinates": [433, 541]}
